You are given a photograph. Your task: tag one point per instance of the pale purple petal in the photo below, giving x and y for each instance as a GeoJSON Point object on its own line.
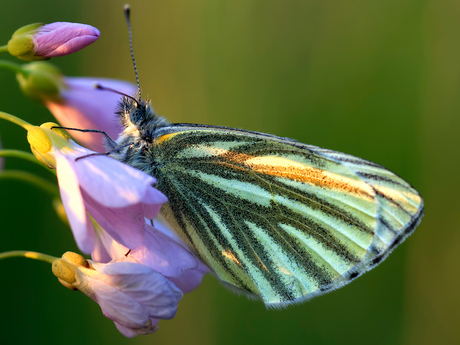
{"type": "Point", "coordinates": [72, 200]}
{"type": "Point", "coordinates": [85, 107]}
{"type": "Point", "coordinates": [118, 306]}
{"type": "Point", "coordinates": [59, 39]}
{"type": "Point", "coordinates": [114, 249]}
{"type": "Point", "coordinates": [151, 211]}
{"type": "Point", "coordinates": [191, 279]}
{"type": "Point", "coordinates": [125, 331]}
{"type": "Point", "coordinates": [100, 253]}
{"type": "Point", "coordinates": [154, 292]}
{"type": "Point", "coordinates": [126, 225]}
{"type": "Point", "coordinates": [162, 225]}
{"type": "Point", "coordinates": [130, 333]}
{"type": "Point", "coordinates": [152, 202]}
{"type": "Point", "coordinates": [163, 254]}
{"type": "Point", "coordinates": [109, 181]}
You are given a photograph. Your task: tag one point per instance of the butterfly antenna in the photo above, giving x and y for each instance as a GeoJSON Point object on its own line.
{"type": "Point", "coordinates": [127, 12]}
{"type": "Point", "coordinates": [100, 87]}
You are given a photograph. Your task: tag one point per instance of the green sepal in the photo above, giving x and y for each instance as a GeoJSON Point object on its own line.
{"type": "Point", "coordinates": [21, 44]}
{"type": "Point", "coordinates": [28, 29]}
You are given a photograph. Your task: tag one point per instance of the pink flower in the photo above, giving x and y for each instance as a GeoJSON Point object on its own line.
{"type": "Point", "coordinates": [84, 107]}
{"type": "Point", "coordinates": [39, 41]}
{"type": "Point", "coordinates": [61, 38]}
{"type": "Point", "coordinates": [106, 203]}
{"type": "Point", "coordinates": [134, 296]}
{"type": "Point", "coordinates": [116, 195]}
{"type": "Point", "coordinates": [159, 252]}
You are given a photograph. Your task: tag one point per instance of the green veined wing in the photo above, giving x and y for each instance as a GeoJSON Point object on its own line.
{"type": "Point", "coordinates": [277, 218]}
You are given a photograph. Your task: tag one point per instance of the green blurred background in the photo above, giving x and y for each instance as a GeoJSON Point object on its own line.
{"type": "Point", "coordinates": [377, 79]}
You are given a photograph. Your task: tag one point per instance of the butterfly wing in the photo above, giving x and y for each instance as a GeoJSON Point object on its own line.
{"type": "Point", "coordinates": [277, 218]}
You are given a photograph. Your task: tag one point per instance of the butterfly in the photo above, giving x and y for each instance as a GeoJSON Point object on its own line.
{"type": "Point", "coordinates": [270, 216]}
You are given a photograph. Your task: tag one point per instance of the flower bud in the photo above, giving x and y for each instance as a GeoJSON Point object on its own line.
{"type": "Point", "coordinates": [42, 139]}
{"type": "Point", "coordinates": [42, 81]}
{"type": "Point", "coordinates": [65, 272]}
{"type": "Point", "coordinates": [76, 259]}
{"type": "Point", "coordinates": [40, 42]}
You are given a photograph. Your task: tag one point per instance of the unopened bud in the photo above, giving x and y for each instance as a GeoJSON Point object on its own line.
{"type": "Point", "coordinates": [65, 272]}
{"type": "Point", "coordinates": [40, 42]}
{"type": "Point", "coordinates": [42, 82]}
{"type": "Point", "coordinates": [59, 131]}
{"type": "Point", "coordinates": [22, 44]}
{"type": "Point", "coordinates": [76, 259]}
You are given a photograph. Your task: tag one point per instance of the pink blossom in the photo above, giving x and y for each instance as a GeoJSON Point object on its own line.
{"type": "Point", "coordinates": [43, 41]}
{"type": "Point", "coordinates": [116, 195]}
{"type": "Point", "coordinates": [158, 251]}
{"type": "Point", "coordinates": [134, 296]}
{"type": "Point", "coordinates": [61, 38]}
{"type": "Point", "coordinates": [84, 107]}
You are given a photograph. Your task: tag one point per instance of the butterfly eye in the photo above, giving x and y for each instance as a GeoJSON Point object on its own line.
{"type": "Point", "coordinates": [136, 115]}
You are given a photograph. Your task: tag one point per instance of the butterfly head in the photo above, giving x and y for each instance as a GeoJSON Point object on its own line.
{"type": "Point", "coordinates": [137, 116]}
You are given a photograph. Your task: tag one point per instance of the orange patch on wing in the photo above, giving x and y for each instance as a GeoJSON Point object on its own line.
{"type": "Point", "coordinates": [293, 170]}
{"type": "Point", "coordinates": [164, 138]}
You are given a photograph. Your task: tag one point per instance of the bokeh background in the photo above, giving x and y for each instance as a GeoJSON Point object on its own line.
{"type": "Point", "coordinates": [379, 79]}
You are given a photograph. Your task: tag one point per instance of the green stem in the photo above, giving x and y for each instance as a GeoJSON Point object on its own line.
{"type": "Point", "coordinates": [4, 49]}
{"type": "Point", "coordinates": [24, 155]}
{"type": "Point", "coordinates": [15, 120]}
{"type": "Point", "coordinates": [32, 179]}
{"type": "Point", "coordinates": [29, 255]}
{"type": "Point", "coordinates": [13, 67]}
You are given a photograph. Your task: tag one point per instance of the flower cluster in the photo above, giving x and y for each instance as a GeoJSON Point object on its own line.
{"type": "Point", "coordinates": [138, 273]}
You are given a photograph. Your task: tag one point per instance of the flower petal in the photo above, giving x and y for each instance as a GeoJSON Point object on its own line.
{"type": "Point", "coordinates": [61, 38]}
{"type": "Point", "coordinates": [154, 292]}
{"type": "Point", "coordinates": [126, 225]}
{"type": "Point", "coordinates": [85, 107]}
{"type": "Point", "coordinates": [113, 248]}
{"type": "Point", "coordinates": [130, 332]}
{"type": "Point", "coordinates": [163, 254]}
{"type": "Point", "coordinates": [100, 253]}
{"type": "Point", "coordinates": [118, 306]}
{"type": "Point", "coordinates": [73, 204]}
{"type": "Point", "coordinates": [152, 202]}
{"type": "Point", "coordinates": [190, 279]}
{"type": "Point", "coordinates": [109, 181]}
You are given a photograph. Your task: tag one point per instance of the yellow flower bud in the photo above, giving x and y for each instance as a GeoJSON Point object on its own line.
{"type": "Point", "coordinates": [39, 139]}
{"type": "Point", "coordinates": [59, 131]}
{"type": "Point", "coordinates": [65, 272]}
{"type": "Point", "coordinates": [42, 139]}
{"type": "Point", "coordinates": [76, 259]}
